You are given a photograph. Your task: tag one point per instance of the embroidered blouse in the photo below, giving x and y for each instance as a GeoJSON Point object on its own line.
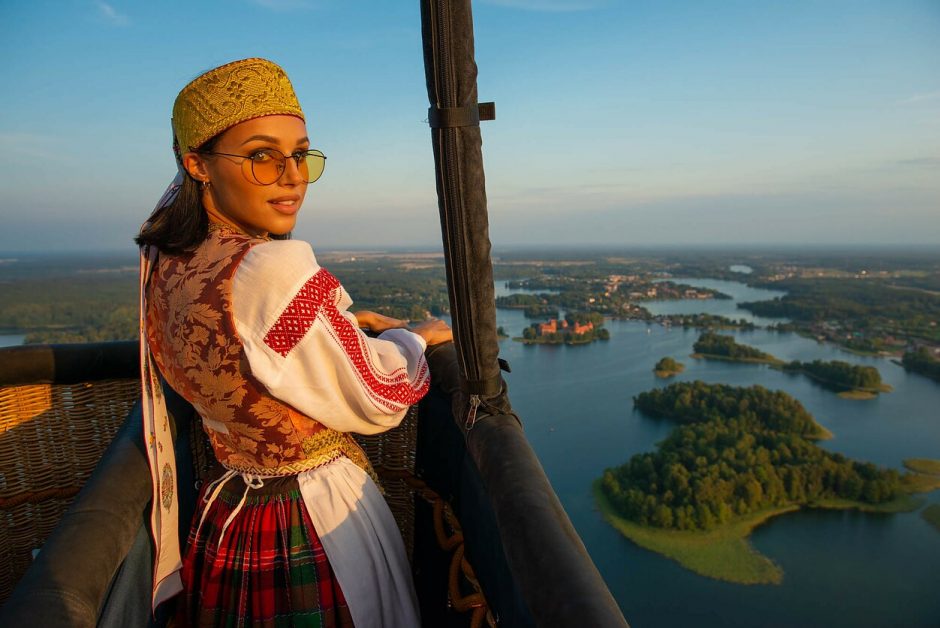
{"type": "Point", "coordinates": [258, 337]}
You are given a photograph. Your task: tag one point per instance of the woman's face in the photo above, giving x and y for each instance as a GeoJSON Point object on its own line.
{"type": "Point", "coordinates": [234, 197]}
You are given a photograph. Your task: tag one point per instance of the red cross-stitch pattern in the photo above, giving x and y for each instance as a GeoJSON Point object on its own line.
{"type": "Point", "coordinates": [301, 312]}
{"type": "Point", "coordinates": [318, 296]}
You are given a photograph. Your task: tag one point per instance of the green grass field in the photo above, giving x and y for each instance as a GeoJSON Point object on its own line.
{"type": "Point", "coordinates": [923, 465]}
{"type": "Point", "coordinates": [711, 356]}
{"type": "Point", "coordinates": [723, 553]}
{"type": "Point", "coordinates": [931, 515]}
{"type": "Point", "coordinates": [857, 394]}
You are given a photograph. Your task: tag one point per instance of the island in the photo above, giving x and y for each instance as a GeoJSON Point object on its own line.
{"type": "Point", "coordinates": [720, 347]}
{"type": "Point", "coordinates": [703, 321]}
{"type": "Point", "coordinates": [739, 456]}
{"type": "Point", "coordinates": [533, 306]}
{"type": "Point", "coordinates": [667, 367]}
{"type": "Point", "coordinates": [922, 361]}
{"type": "Point", "coordinates": [851, 381]}
{"type": "Point", "coordinates": [574, 329]}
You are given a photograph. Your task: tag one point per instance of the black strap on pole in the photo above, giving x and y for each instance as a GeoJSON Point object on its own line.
{"type": "Point", "coordinates": [454, 117]}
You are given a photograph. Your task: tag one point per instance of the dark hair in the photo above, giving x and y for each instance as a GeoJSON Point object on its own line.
{"type": "Point", "coordinates": [183, 224]}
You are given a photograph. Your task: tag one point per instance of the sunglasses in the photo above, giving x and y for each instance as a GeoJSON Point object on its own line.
{"type": "Point", "coordinates": [266, 166]}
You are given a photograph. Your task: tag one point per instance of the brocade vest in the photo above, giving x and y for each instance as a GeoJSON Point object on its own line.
{"type": "Point", "coordinates": [192, 336]}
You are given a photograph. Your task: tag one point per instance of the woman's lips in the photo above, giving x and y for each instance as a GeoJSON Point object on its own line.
{"type": "Point", "coordinates": [288, 205]}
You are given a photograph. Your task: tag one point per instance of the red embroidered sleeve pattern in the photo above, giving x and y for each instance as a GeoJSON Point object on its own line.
{"type": "Point", "coordinates": [319, 296]}
{"type": "Point", "coordinates": [299, 315]}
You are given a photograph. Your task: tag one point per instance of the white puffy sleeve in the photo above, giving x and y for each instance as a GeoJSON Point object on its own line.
{"type": "Point", "coordinates": [304, 345]}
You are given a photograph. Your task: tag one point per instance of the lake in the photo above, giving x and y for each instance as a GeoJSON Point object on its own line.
{"type": "Point", "coordinates": [841, 568]}
{"type": "Point", "coordinates": [11, 340]}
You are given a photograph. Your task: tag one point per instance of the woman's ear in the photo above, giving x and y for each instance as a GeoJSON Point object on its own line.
{"type": "Point", "coordinates": [195, 165]}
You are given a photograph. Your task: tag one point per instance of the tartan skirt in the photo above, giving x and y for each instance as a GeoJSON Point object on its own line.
{"type": "Point", "coordinates": [270, 568]}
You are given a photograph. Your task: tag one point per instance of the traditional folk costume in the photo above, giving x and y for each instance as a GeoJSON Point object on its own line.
{"type": "Point", "coordinates": [258, 338]}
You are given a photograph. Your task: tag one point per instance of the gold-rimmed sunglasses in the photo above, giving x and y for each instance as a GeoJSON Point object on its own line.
{"type": "Point", "coordinates": [267, 165]}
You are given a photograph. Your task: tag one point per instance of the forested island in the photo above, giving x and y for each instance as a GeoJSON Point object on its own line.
{"type": "Point", "coordinates": [574, 329]}
{"type": "Point", "coordinates": [738, 457]}
{"type": "Point", "coordinates": [850, 380]}
{"type": "Point", "coordinates": [703, 321]}
{"type": "Point", "coordinates": [921, 361]}
{"type": "Point", "coordinates": [721, 347]}
{"type": "Point", "coordinates": [667, 367]}
{"type": "Point", "coordinates": [532, 305]}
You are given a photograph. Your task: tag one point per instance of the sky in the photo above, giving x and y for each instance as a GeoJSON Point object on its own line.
{"type": "Point", "coordinates": [619, 123]}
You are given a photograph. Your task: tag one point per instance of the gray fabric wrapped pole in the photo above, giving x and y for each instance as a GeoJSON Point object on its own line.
{"type": "Point", "coordinates": [559, 582]}
{"type": "Point", "coordinates": [454, 117]}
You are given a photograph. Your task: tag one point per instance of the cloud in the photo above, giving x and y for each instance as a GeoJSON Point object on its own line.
{"type": "Point", "coordinates": [16, 146]}
{"type": "Point", "coordinates": [921, 98]}
{"type": "Point", "coordinates": [111, 15]}
{"type": "Point", "coordinates": [920, 162]}
{"type": "Point", "coordinates": [549, 6]}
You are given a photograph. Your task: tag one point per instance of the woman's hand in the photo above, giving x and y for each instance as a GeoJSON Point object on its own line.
{"type": "Point", "coordinates": [378, 322]}
{"type": "Point", "coordinates": [434, 331]}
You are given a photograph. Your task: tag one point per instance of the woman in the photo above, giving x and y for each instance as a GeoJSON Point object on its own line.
{"type": "Point", "coordinates": [246, 326]}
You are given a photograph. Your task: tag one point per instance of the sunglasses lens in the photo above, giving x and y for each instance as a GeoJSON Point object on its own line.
{"type": "Point", "coordinates": [312, 167]}
{"type": "Point", "coordinates": [270, 170]}
{"type": "Point", "coordinates": [267, 172]}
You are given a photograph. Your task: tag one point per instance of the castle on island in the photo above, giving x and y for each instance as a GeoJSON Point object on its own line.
{"type": "Point", "coordinates": [555, 326]}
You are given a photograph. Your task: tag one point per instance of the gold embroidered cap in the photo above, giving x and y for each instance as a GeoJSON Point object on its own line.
{"type": "Point", "coordinates": [229, 94]}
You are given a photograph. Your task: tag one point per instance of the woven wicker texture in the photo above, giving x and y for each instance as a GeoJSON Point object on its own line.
{"type": "Point", "coordinates": [51, 437]}
{"type": "Point", "coordinates": [392, 455]}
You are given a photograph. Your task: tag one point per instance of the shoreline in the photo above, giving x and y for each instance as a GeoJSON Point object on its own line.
{"type": "Point", "coordinates": [778, 364]}
{"type": "Point", "coordinates": [721, 554]}
{"type": "Point", "coordinates": [849, 392]}
{"type": "Point", "coordinates": [772, 361]}
{"type": "Point", "coordinates": [668, 374]}
{"type": "Point", "coordinates": [725, 553]}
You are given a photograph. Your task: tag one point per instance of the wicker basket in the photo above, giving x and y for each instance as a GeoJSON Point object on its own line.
{"type": "Point", "coordinates": [52, 436]}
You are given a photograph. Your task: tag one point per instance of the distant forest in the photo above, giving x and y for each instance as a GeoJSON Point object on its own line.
{"type": "Point", "coordinates": [100, 304]}
{"type": "Point", "coordinates": [864, 304]}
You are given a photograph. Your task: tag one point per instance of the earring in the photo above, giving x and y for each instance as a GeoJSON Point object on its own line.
{"type": "Point", "coordinates": [205, 185]}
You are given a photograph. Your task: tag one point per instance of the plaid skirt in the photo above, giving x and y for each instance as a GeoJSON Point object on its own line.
{"type": "Point", "coordinates": [269, 569]}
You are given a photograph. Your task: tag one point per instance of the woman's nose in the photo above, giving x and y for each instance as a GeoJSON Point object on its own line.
{"type": "Point", "coordinates": [292, 174]}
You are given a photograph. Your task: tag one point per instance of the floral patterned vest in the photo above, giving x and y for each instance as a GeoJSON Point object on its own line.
{"type": "Point", "coordinates": [191, 333]}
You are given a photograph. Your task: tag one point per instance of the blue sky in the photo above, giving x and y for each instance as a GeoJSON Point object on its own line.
{"type": "Point", "coordinates": [618, 123]}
